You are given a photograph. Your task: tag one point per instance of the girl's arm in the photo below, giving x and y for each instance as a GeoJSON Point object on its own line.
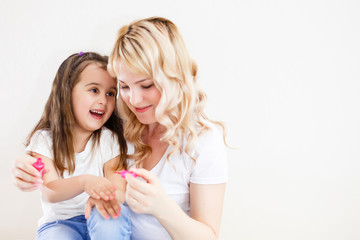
{"type": "Point", "coordinates": [56, 189]}
{"type": "Point", "coordinates": [25, 176]}
{"type": "Point", "coordinates": [206, 203]}
{"type": "Point", "coordinates": [109, 208]}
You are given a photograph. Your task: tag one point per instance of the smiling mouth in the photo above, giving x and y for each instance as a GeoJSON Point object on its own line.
{"type": "Point", "coordinates": [141, 110]}
{"type": "Point", "coordinates": [97, 114]}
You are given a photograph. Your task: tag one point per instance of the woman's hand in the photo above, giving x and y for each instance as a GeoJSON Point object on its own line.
{"type": "Point", "coordinates": [25, 176]}
{"type": "Point", "coordinates": [150, 197]}
{"type": "Point", "coordinates": [145, 197]}
{"type": "Point", "coordinates": [105, 208]}
{"type": "Point", "coordinates": [99, 187]}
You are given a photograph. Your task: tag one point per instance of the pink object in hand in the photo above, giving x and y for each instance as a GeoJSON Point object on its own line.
{"type": "Point", "coordinates": [123, 172]}
{"type": "Point", "coordinates": [39, 165]}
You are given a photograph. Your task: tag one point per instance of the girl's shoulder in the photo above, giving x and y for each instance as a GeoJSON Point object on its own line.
{"type": "Point", "coordinates": [108, 145]}
{"type": "Point", "coordinates": [41, 143]}
{"type": "Point", "coordinates": [42, 135]}
{"type": "Point", "coordinates": [107, 134]}
{"type": "Point", "coordinates": [108, 138]}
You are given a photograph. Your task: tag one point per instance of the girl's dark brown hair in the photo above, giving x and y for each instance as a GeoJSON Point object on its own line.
{"type": "Point", "coordinates": [58, 116]}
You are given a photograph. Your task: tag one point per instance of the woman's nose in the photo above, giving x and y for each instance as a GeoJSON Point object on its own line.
{"type": "Point", "coordinates": [135, 98]}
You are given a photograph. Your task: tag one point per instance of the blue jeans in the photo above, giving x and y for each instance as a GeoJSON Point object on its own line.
{"type": "Point", "coordinates": [102, 229]}
{"type": "Point", "coordinates": [72, 228]}
{"type": "Point", "coordinates": [96, 227]}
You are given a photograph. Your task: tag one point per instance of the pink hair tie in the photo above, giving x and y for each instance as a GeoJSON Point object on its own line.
{"type": "Point", "coordinates": [80, 54]}
{"type": "Point", "coordinates": [124, 172]}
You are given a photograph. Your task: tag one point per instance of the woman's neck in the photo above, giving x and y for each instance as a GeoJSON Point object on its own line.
{"type": "Point", "coordinates": [152, 135]}
{"type": "Point", "coordinates": [154, 131]}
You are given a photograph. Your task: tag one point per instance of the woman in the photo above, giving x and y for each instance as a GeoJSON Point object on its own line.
{"type": "Point", "coordinates": [174, 147]}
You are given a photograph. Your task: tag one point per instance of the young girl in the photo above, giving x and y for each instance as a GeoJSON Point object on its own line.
{"type": "Point", "coordinates": [80, 139]}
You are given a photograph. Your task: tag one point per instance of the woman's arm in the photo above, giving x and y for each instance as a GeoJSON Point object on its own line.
{"type": "Point", "coordinates": [110, 167]}
{"type": "Point", "coordinates": [56, 189]}
{"type": "Point", "coordinates": [206, 202]}
{"type": "Point", "coordinates": [206, 205]}
{"type": "Point", "coordinates": [25, 176]}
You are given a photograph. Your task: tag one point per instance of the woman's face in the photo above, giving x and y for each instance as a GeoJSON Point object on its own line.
{"type": "Point", "coordinates": [139, 93]}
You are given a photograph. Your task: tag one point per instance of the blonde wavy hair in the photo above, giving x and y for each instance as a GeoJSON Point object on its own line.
{"type": "Point", "coordinates": [154, 47]}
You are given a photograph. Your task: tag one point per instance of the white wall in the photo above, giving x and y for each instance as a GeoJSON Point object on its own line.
{"type": "Point", "coordinates": [283, 75]}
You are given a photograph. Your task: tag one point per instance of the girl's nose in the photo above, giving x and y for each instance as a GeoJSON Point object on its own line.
{"type": "Point", "coordinates": [102, 99]}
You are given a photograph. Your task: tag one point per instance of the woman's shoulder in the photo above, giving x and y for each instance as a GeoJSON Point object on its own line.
{"type": "Point", "coordinates": [213, 133]}
{"type": "Point", "coordinates": [211, 157]}
{"type": "Point", "coordinates": [209, 138]}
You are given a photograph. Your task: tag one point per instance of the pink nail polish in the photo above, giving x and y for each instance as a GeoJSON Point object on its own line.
{"type": "Point", "coordinates": [124, 172]}
{"type": "Point", "coordinates": [39, 165]}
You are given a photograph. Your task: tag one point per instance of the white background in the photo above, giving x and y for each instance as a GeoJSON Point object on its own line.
{"type": "Point", "coordinates": [283, 76]}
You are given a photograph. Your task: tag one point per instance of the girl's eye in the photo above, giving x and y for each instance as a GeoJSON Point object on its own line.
{"type": "Point", "coordinates": [148, 86]}
{"type": "Point", "coordinates": [111, 94]}
{"type": "Point", "coordinates": [94, 90]}
{"type": "Point", "coordinates": [124, 87]}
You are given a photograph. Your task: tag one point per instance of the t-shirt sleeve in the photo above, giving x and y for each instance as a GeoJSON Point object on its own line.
{"type": "Point", "coordinates": [41, 143]}
{"type": "Point", "coordinates": [211, 163]}
{"type": "Point", "coordinates": [110, 145]}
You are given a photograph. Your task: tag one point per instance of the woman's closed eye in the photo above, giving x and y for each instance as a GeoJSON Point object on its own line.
{"type": "Point", "coordinates": [148, 86]}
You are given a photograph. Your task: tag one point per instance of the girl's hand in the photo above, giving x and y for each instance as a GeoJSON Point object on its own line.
{"type": "Point", "coordinates": [106, 208]}
{"type": "Point", "coordinates": [145, 197]}
{"type": "Point", "coordinates": [25, 176]}
{"type": "Point", "coordinates": [99, 188]}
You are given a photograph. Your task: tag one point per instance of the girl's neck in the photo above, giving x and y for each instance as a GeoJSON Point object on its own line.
{"type": "Point", "coordinates": [80, 140]}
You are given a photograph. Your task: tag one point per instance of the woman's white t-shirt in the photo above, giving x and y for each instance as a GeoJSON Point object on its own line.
{"type": "Point", "coordinates": [177, 173]}
{"type": "Point", "coordinates": [89, 161]}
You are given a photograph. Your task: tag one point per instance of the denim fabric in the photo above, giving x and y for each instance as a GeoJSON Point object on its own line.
{"type": "Point", "coordinates": [74, 228]}
{"type": "Point", "coordinates": [104, 229]}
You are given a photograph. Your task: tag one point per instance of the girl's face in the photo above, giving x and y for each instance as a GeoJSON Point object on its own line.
{"type": "Point", "coordinates": [93, 99]}
{"type": "Point", "coordinates": [139, 93]}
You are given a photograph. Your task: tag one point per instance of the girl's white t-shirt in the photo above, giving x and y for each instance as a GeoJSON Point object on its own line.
{"type": "Point", "coordinates": [89, 161]}
{"type": "Point", "coordinates": [177, 173]}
